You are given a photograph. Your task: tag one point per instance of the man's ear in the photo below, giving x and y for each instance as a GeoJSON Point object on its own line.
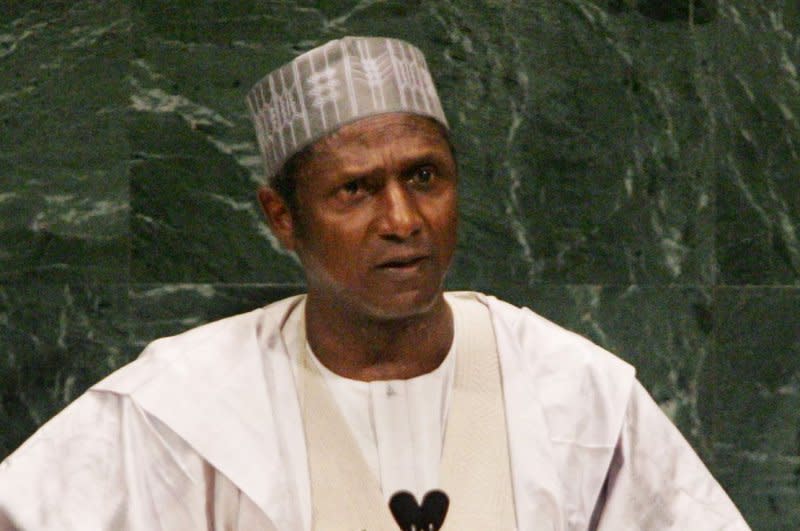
{"type": "Point", "coordinates": [279, 216]}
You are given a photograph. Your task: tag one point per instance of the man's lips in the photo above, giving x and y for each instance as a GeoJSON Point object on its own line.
{"type": "Point", "coordinates": [400, 262]}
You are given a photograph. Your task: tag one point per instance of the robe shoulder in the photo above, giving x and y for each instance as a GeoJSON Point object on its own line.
{"type": "Point", "coordinates": [205, 353]}
{"type": "Point", "coordinates": [547, 344]}
{"type": "Point", "coordinates": [618, 461]}
{"type": "Point", "coordinates": [583, 389]}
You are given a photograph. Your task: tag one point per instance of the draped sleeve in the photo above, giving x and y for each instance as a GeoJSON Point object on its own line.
{"type": "Point", "coordinates": [657, 482]}
{"type": "Point", "coordinates": [104, 463]}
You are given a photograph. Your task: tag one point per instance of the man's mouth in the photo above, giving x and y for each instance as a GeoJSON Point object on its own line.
{"type": "Point", "coordinates": [403, 262]}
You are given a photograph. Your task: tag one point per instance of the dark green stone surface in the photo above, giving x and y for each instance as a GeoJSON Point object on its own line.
{"type": "Point", "coordinates": [63, 155]}
{"type": "Point", "coordinates": [56, 340]}
{"type": "Point", "coordinates": [629, 169]}
{"type": "Point", "coordinates": [752, 402]}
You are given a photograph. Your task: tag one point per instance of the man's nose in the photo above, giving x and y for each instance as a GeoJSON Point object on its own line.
{"type": "Point", "coordinates": [400, 218]}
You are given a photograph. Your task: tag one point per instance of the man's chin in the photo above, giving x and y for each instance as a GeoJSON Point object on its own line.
{"type": "Point", "coordinates": [400, 306]}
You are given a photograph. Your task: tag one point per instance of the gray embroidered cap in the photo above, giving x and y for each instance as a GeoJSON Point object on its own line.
{"type": "Point", "coordinates": [334, 84]}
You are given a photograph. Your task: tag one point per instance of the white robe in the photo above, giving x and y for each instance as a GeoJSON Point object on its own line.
{"type": "Point", "coordinates": [203, 431]}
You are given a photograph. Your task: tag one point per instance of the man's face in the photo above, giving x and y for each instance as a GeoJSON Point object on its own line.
{"type": "Point", "coordinates": [375, 224]}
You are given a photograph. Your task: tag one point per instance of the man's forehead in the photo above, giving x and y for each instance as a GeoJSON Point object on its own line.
{"type": "Point", "coordinates": [408, 135]}
{"type": "Point", "coordinates": [379, 128]}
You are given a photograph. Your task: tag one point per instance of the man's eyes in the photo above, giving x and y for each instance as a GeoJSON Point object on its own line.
{"type": "Point", "coordinates": [350, 191]}
{"type": "Point", "coordinates": [353, 187]}
{"type": "Point", "coordinates": [423, 175]}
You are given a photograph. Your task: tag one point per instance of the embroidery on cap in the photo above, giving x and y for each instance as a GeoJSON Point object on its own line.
{"type": "Point", "coordinates": [323, 87]}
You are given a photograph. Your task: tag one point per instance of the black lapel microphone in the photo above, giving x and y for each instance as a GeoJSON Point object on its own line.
{"type": "Point", "coordinates": [411, 516]}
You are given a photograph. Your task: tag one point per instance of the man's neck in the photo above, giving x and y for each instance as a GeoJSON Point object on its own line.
{"type": "Point", "coordinates": [365, 348]}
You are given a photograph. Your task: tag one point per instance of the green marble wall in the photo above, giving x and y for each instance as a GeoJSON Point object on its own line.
{"type": "Point", "coordinates": [630, 170]}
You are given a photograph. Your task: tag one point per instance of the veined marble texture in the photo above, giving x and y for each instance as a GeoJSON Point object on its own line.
{"type": "Point", "coordinates": [629, 169]}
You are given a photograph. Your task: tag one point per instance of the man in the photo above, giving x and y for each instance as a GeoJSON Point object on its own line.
{"type": "Point", "coordinates": [344, 408]}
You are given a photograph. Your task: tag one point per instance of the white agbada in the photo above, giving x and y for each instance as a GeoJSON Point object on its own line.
{"type": "Point", "coordinates": [203, 431]}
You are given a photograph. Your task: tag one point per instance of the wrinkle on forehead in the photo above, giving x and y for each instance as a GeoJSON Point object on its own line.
{"type": "Point", "coordinates": [336, 149]}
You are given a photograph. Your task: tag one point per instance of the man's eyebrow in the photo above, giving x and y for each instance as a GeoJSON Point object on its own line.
{"type": "Point", "coordinates": [406, 162]}
{"type": "Point", "coordinates": [427, 157]}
